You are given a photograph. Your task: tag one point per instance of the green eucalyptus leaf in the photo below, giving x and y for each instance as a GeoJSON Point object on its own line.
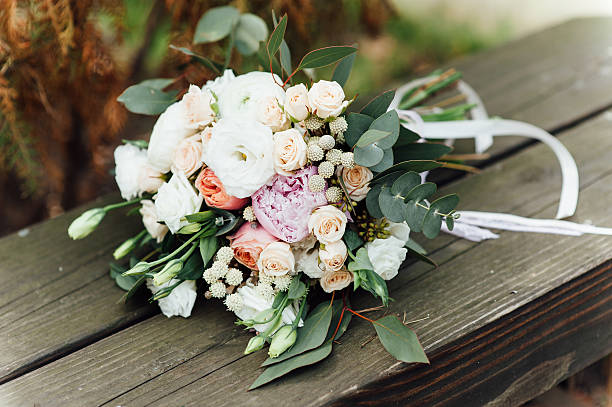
{"type": "Point", "coordinates": [385, 162]}
{"type": "Point", "coordinates": [412, 245]}
{"type": "Point", "coordinates": [126, 282]}
{"type": "Point", "coordinates": [215, 24]}
{"type": "Point", "coordinates": [352, 239]}
{"type": "Point", "coordinates": [414, 165]}
{"type": "Point", "coordinates": [325, 56]}
{"type": "Point", "coordinates": [379, 104]}
{"type": "Point", "coordinates": [146, 99]}
{"type": "Point", "coordinates": [276, 38]}
{"type": "Point", "coordinates": [346, 320]}
{"type": "Point", "coordinates": [406, 137]}
{"type": "Point", "coordinates": [285, 57]}
{"type": "Point", "coordinates": [391, 205]}
{"type": "Point", "coordinates": [357, 125]}
{"type": "Point", "coordinates": [445, 204]}
{"type": "Point", "coordinates": [413, 215]}
{"type": "Point", "coordinates": [343, 69]}
{"type": "Point", "coordinates": [388, 122]}
{"type": "Point", "coordinates": [371, 136]}
{"type": "Point", "coordinates": [250, 32]}
{"type": "Point", "coordinates": [310, 335]}
{"type": "Point", "coordinates": [375, 284]}
{"type": "Point", "coordinates": [368, 156]}
{"type": "Point", "coordinates": [431, 224]}
{"type": "Point", "coordinates": [420, 192]}
{"type": "Point", "coordinates": [278, 299]}
{"type": "Point", "coordinates": [157, 83]}
{"type": "Point", "coordinates": [264, 61]}
{"type": "Point", "coordinates": [212, 65]}
{"type": "Point", "coordinates": [405, 183]}
{"type": "Point", "coordinates": [421, 151]}
{"type": "Point", "coordinates": [139, 282]}
{"type": "Point", "coordinates": [361, 262]}
{"type": "Point", "coordinates": [399, 340]}
{"type": "Point", "coordinates": [372, 201]}
{"type": "Point", "coordinates": [418, 253]}
{"type": "Point", "coordinates": [450, 222]}
{"type": "Point", "coordinates": [116, 270]}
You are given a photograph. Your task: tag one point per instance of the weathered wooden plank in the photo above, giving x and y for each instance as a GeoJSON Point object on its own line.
{"type": "Point", "coordinates": [461, 296]}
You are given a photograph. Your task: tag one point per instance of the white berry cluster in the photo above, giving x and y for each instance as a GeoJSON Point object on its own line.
{"type": "Point", "coordinates": [338, 126]}
{"type": "Point", "coordinates": [268, 286]}
{"type": "Point", "coordinates": [248, 214]}
{"type": "Point", "coordinates": [219, 271]}
{"type": "Point", "coordinates": [313, 123]}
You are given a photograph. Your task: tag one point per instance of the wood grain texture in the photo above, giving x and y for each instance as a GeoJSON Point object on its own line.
{"type": "Point", "coordinates": [176, 361]}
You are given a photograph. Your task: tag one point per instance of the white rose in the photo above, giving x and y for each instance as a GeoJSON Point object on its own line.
{"type": "Point", "coordinates": [296, 102]}
{"type": "Point", "coordinates": [198, 108]}
{"type": "Point", "coordinates": [175, 199]}
{"type": "Point", "coordinates": [149, 179]}
{"type": "Point", "coordinates": [276, 260]}
{"type": "Point", "coordinates": [129, 160]}
{"type": "Point", "coordinates": [253, 303]}
{"type": "Point", "coordinates": [327, 223]}
{"type": "Point", "coordinates": [242, 97]}
{"type": "Point", "coordinates": [149, 220]}
{"type": "Point", "coordinates": [171, 127]}
{"type": "Point", "coordinates": [307, 262]}
{"type": "Point", "coordinates": [356, 180]}
{"type": "Point", "coordinates": [333, 255]}
{"type": "Point", "coordinates": [386, 255]}
{"type": "Point", "coordinates": [180, 300]}
{"type": "Point", "coordinates": [188, 156]}
{"type": "Point", "coordinates": [400, 231]}
{"type": "Point", "coordinates": [326, 99]}
{"type": "Point", "coordinates": [242, 156]}
{"type": "Point", "coordinates": [335, 280]}
{"type": "Point", "coordinates": [289, 151]}
{"type": "Point", "coordinates": [270, 113]}
{"type": "Point", "coordinates": [218, 85]}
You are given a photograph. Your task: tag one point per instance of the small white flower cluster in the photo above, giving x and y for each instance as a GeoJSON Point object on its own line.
{"type": "Point", "coordinates": [219, 271]}
{"type": "Point", "coordinates": [268, 285]}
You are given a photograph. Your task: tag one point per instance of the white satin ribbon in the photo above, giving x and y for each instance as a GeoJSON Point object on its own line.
{"type": "Point", "coordinates": [471, 223]}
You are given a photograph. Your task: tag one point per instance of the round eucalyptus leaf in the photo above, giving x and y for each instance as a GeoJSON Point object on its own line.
{"type": "Point", "coordinates": [388, 122]}
{"type": "Point", "coordinates": [446, 203]}
{"type": "Point", "coordinates": [405, 183]}
{"type": "Point", "coordinates": [372, 201]}
{"type": "Point", "coordinates": [431, 224]}
{"type": "Point", "coordinates": [386, 162]}
{"type": "Point", "coordinates": [216, 24]}
{"type": "Point", "coordinates": [368, 156]}
{"type": "Point", "coordinates": [392, 206]}
{"type": "Point", "coordinates": [250, 32]}
{"type": "Point", "coordinates": [413, 215]}
{"type": "Point", "coordinates": [421, 192]}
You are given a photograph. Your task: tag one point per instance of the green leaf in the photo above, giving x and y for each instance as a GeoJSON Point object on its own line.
{"type": "Point", "coordinates": [412, 245]}
{"type": "Point", "coordinates": [343, 69]}
{"type": "Point", "coordinates": [278, 299]}
{"type": "Point", "coordinates": [134, 288]}
{"type": "Point", "coordinates": [157, 83]}
{"type": "Point", "coordinates": [250, 32]}
{"type": "Point", "coordinates": [297, 289]}
{"type": "Point", "coordinates": [399, 340]}
{"type": "Point", "coordinates": [276, 38]}
{"type": "Point", "coordinates": [193, 268]}
{"type": "Point", "coordinates": [216, 24]}
{"type": "Point", "coordinates": [414, 165]}
{"type": "Point", "coordinates": [371, 136]}
{"type": "Point", "coordinates": [230, 221]}
{"type": "Point", "coordinates": [421, 151]}
{"type": "Point", "coordinates": [138, 143]}
{"type": "Point", "coordinates": [361, 262]}
{"type": "Point", "coordinates": [146, 99]}
{"type": "Point", "coordinates": [208, 247]}
{"type": "Point", "coordinates": [372, 201]}
{"type": "Point", "coordinates": [406, 137]}
{"type": "Point", "coordinates": [199, 216]}
{"type": "Point", "coordinates": [126, 282]}
{"type": "Point", "coordinates": [325, 56]}
{"type": "Point", "coordinates": [421, 192]}
{"type": "Point", "coordinates": [379, 104]}
{"type": "Point", "coordinates": [385, 162]}
{"type": "Point", "coordinates": [405, 183]}
{"type": "Point", "coordinates": [352, 239]}
{"type": "Point", "coordinates": [413, 215]}
{"type": "Point", "coordinates": [304, 359]}
{"type": "Point", "coordinates": [368, 156]}
{"type": "Point", "coordinates": [431, 224]}
{"type": "Point", "coordinates": [446, 203]}
{"type": "Point", "coordinates": [388, 122]}
{"type": "Point", "coordinates": [417, 253]}
{"type": "Point", "coordinates": [392, 205]}
{"type": "Point", "coordinates": [212, 65]}
{"type": "Point", "coordinates": [116, 270]}
{"type": "Point", "coordinates": [346, 320]}
{"type": "Point", "coordinates": [357, 125]}
{"type": "Point", "coordinates": [264, 60]}
{"type": "Point", "coordinates": [310, 335]}
{"type": "Point", "coordinates": [450, 222]}
{"type": "Point", "coordinates": [374, 284]}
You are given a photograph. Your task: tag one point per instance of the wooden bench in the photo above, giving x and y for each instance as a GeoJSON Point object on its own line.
{"type": "Point", "coordinates": [502, 321]}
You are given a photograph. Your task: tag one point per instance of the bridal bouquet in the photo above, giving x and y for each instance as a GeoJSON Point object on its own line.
{"type": "Point", "coordinates": [268, 193]}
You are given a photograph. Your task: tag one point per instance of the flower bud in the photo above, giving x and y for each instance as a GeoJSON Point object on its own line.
{"type": "Point", "coordinates": [255, 344]}
{"type": "Point", "coordinates": [283, 339]}
{"type": "Point", "coordinates": [170, 270]}
{"type": "Point", "coordinates": [86, 223]}
{"type": "Point", "coordinates": [139, 268]}
{"type": "Point", "coordinates": [125, 248]}
{"type": "Point", "coordinates": [190, 229]}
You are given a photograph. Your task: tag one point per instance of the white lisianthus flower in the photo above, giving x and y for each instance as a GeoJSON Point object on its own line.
{"type": "Point", "coordinates": [129, 161]}
{"type": "Point", "coordinates": [386, 255]}
{"type": "Point", "coordinates": [149, 220]}
{"type": "Point", "coordinates": [180, 300]}
{"type": "Point", "coordinates": [400, 231]}
{"type": "Point", "coordinates": [175, 199]}
{"type": "Point", "coordinates": [241, 154]}
{"type": "Point", "coordinates": [326, 99]}
{"type": "Point", "coordinates": [217, 86]}
{"type": "Point", "coordinates": [169, 130]}
{"type": "Point", "coordinates": [307, 262]}
{"type": "Point", "coordinates": [242, 97]}
{"type": "Point", "coordinates": [253, 303]}
{"type": "Point", "coordinates": [271, 114]}
{"type": "Point", "coordinates": [198, 108]}
{"type": "Point", "coordinates": [296, 102]}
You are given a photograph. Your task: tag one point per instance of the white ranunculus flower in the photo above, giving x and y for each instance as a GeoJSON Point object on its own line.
{"type": "Point", "coordinates": [180, 300]}
{"type": "Point", "coordinates": [241, 154]}
{"type": "Point", "coordinates": [175, 199]}
{"type": "Point", "coordinates": [253, 303]}
{"type": "Point", "coordinates": [218, 85]}
{"type": "Point", "coordinates": [129, 161]}
{"type": "Point", "coordinates": [400, 231]}
{"type": "Point", "coordinates": [307, 262]}
{"type": "Point", "coordinates": [149, 179]}
{"type": "Point", "coordinates": [169, 130]}
{"type": "Point", "coordinates": [296, 102]}
{"type": "Point", "coordinates": [386, 255]}
{"type": "Point", "coordinates": [271, 114]}
{"type": "Point", "coordinates": [188, 156]}
{"type": "Point", "coordinates": [198, 108]}
{"type": "Point", "coordinates": [149, 220]}
{"type": "Point", "coordinates": [242, 97]}
{"type": "Point", "coordinates": [326, 99]}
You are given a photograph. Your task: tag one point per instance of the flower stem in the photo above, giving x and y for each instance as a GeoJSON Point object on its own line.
{"type": "Point", "coordinates": [181, 247]}
{"type": "Point", "coordinates": [121, 204]}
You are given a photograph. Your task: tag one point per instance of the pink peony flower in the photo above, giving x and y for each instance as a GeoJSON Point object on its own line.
{"type": "Point", "coordinates": [248, 242]}
{"type": "Point", "coordinates": [214, 193]}
{"type": "Point", "coordinates": [283, 206]}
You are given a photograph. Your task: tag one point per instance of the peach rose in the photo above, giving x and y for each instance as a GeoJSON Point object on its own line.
{"type": "Point", "coordinates": [270, 114]}
{"type": "Point", "coordinates": [248, 242]}
{"type": "Point", "coordinates": [289, 151]}
{"type": "Point", "coordinates": [327, 223]}
{"type": "Point", "coordinates": [356, 180]}
{"type": "Point", "coordinates": [333, 255]}
{"type": "Point", "coordinates": [296, 102]}
{"type": "Point", "coordinates": [214, 193]}
{"type": "Point", "coordinates": [276, 260]}
{"type": "Point", "coordinates": [335, 280]}
{"type": "Point", "coordinates": [198, 107]}
{"type": "Point", "coordinates": [188, 156]}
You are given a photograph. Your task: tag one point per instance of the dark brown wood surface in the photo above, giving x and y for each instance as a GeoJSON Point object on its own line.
{"type": "Point", "coordinates": [507, 318]}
